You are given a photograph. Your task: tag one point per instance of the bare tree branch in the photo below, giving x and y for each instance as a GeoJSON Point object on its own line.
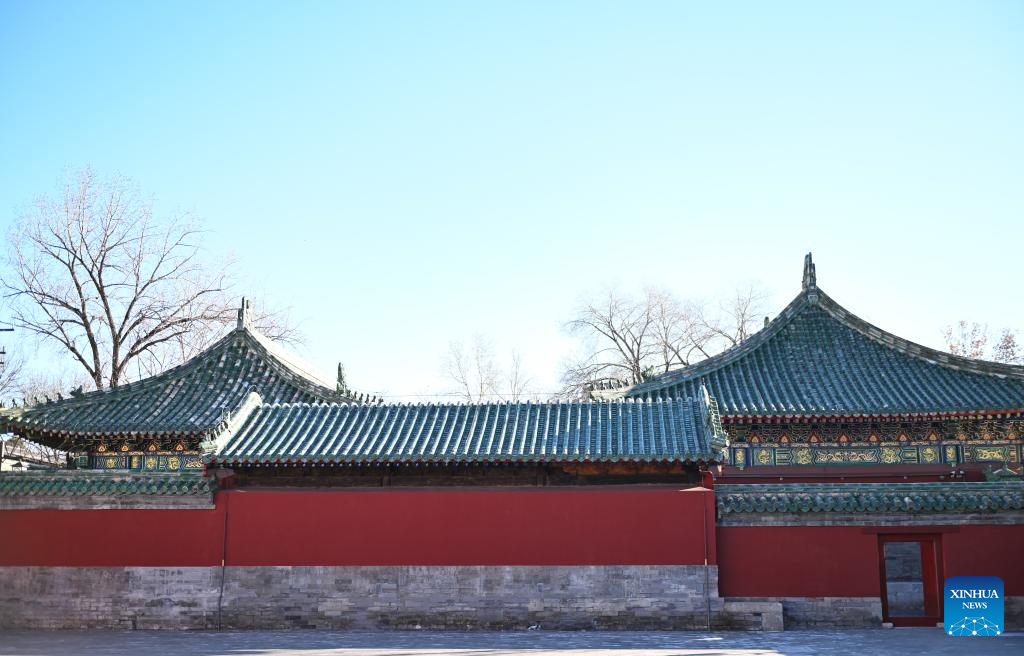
{"type": "Point", "coordinates": [967, 339]}
{"type": "Point", "coordinates": [627, 340]}
{"type": "Point", "coordinates": [94, 272]}
{"type": "Point", "coordinates": [519, 384]}
{"type": "Point", "coordinates": [970, 340]}
{"type": "Point", "coordinates": [477, 376]}
{"type": "Point", "coordinates": [1006, 349]}
{"type": "Point", "coordinates": [11, 370]}
{"type": "Point", "coordinates": [474, 373]}
{"type": "Point", "coordinates": [737, 318]}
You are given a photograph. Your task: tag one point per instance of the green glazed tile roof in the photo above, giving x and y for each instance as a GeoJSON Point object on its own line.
{"type": "Point", "coordinates": [194, 398]}
{"type": "Point", "coordinates": [676, 430]}
{"type": "Point", "coordinates": [870, 497]}
{"type": "Point", "coordinates": [816, 359]}
{"type": "Point", "coordinates": [94, 483]}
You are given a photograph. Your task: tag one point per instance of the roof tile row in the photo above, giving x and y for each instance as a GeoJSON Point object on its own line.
{"type": "Point", "coordinates": [672, 430]}
{"type": "Point", "coordinates": [870, 497]}
{"type": "Point", "coordinates": [98, 483]}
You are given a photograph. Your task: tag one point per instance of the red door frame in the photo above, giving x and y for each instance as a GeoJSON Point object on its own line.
{"type": "Point", "coordinates": [931, 578]}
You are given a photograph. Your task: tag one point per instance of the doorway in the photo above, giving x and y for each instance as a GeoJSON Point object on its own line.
{"type": "Point", "coordinates": [911, 579]}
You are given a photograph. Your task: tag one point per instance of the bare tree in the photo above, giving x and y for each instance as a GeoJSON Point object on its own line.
{"type": "Point", "coordinates": [737, 317]}
{"type": "Point", "coordinates": [967, 339]}
{"type": "Point", "coordinates": [621, 337]}
{"type": "Point", "coordinates": [37, 388]}
{"type": "Point", "coordinates": [971, 340]}
{"type": "Point", "coordinates": [679, 330]}
{"type": "Point", "coordinates": [477, 376]}
{"type": "Point", "coordinates": [1006, 349]}
{"type": "Point", "coordinates": [94, 272]}
{"type": "Point", "coordinates": [630, 339]}
{"type": "Point", "coordinates": [474, 373]}
{"type": "Point", "coordinates": [11, 370]}
{"type": "Point", "coordinates": [519, 383]}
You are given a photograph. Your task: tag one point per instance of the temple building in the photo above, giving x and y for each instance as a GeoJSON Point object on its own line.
{"type": "Point", "coordinates": [162, 423]}
{"type": "Point", "coordinates": [819, 389]}
{"type": "Point", "coordinates": [822, 473]}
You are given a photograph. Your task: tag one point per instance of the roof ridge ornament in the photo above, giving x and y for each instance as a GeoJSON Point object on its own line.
{"type": "Point", "coordinates": [245, 314]}
{"type": "Point", "coordinates": [810, 277]}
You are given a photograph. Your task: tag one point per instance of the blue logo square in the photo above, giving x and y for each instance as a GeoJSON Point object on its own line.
{"type": "Point", "coordinates": [973, 606]}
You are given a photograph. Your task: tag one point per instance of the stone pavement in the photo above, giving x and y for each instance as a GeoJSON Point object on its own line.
{"type": "Point", "coordinates": [897, 642]}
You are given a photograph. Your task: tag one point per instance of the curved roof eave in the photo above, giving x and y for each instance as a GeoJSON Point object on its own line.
{"type": "Point", "coordinates": [917, 393]}
{"type": "Point", "coordinates": [823, 300]}
{"type": "Point", "coordinates": [41, 419]}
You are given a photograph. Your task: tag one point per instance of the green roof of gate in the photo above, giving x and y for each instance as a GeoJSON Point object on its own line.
{"type": "Point", "coordinates": [194, 398]}
{"type": "Point", "coordinates": [88, 483]}
{"type": "Point", "coordinates": [662, 430]}
{"type": "Point", "coordinates": [870, 497]}
{"type": "Point", "coordinates": [816, 359]}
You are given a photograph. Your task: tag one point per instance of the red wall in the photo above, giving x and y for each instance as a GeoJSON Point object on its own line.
{"type": "Point", "coordinates": [797, 561]}
{"type": "Point", "coordinates": [640, 525]}
{"type": "Point", "coordinates": [987, 551]}
{"type": "Point", "coordinates": [103, 538]}
{"type": "Point", "coordinates": [842, 561]}
{"type": "Point", "coordinates": [537, 526]}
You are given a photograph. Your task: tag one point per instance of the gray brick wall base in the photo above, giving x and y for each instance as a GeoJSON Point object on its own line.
{"type": "Point", "coordinates": [1013, 613]}
{"type": "Point", "coordinates": [766, 615]}
{"type": "Point", "coordinates": [581, 597]}
{"type": "Point", "coordinates": [492, 597]}
{"type": "Point", "coordinates": [108, 597]}
{"type": "Point", "coordinates": [817, 612]}
{"type": "Point", "coordinates": [561, 597]}
{"type": "Point", "coordinates": [855, 612]}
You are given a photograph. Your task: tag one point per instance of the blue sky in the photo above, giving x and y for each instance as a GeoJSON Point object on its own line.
{"type": "Point", "coordinates": [402, 174]}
